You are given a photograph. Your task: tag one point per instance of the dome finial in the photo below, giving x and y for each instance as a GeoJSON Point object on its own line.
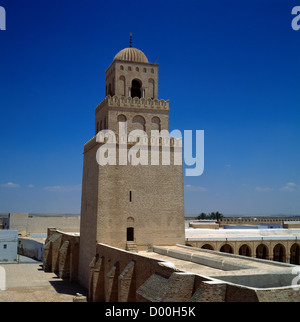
{"type": "Point", "coordinates": [130, 41]}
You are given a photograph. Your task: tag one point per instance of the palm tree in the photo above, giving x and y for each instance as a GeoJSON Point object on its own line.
{"type": "Point", "coordinates": [219, 216]}
{"type": "Point", "coordinates": [212, 215]}
{"type": "Point", "coordinates": [202, 216]}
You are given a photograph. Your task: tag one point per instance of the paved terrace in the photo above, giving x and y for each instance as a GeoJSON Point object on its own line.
{"type": "Point", "coordinates": [27, 282]}
{"type": "Point", "coordinates": [228, 267]}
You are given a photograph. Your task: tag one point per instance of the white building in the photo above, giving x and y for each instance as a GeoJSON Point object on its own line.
{"type": "Point", "coordinates": [8, 245]}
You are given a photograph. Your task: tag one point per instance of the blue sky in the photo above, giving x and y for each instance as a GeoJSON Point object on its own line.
{"type": "Point", "coordinates": [230, 68]}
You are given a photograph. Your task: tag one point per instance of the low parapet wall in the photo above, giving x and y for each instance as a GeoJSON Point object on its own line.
{"type": "Point", "coordinates": [225, 265]}
{"type": "Point", "coordinates": [31, 248]}
{"type": "Point", "coordinates": [261, 280]}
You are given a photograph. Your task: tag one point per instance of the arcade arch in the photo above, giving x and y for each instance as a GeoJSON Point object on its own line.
{"type": "Point", "coordinates": [245, 250]}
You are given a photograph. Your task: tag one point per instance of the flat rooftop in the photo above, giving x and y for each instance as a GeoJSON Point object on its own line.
{"type": "Point", "coordinates": [236, 269]}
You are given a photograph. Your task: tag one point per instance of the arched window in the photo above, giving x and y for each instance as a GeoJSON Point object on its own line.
{"type": "Point", "coordinates": [139, 123]}
{"type": "Point", "coordinates": [130, 221]}
{"type": "Point", "coordinates": [122, 124]}
{"type": "Point", "coordinates": [136, 88]}
{"type": "Point", "coordinates": [122, 118]}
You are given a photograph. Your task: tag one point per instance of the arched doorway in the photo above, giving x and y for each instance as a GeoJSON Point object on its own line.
{"type": "Point", "coordinates": [207, 246]}
{"type": "Point", "coordinates": [279, 254]}
{"type": "Point", "coordinates": [136, 88]}
{"type": "Point", "coordinates": [226, 249]}
{"type": "Point", "coordinates": [295, 254]}
{"type": "Point", "coordinates": [245, 250]}
{"type": "Point", "coordinates": [262, 252]}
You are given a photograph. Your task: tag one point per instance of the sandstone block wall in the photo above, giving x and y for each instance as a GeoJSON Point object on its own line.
{"type": "Point", "coordinates": [145, 198]}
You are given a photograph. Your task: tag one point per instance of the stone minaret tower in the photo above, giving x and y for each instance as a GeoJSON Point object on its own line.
{"type": "Point", "coordinates": [130, 206]}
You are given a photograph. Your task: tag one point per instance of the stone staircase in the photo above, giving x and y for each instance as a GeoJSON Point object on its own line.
{"type": "Point", "coordinates": [131, 247]}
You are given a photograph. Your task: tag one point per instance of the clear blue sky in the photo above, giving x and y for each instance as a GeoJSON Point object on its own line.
{"type": "Point", "coordinates": [230, 68]}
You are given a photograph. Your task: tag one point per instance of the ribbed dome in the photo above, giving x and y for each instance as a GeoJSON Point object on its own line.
{"type": "Point", "coordinates": [131, 54]}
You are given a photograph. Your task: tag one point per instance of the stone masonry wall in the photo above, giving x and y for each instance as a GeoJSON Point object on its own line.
{"type": "Point", "coordinates": [116, 275]}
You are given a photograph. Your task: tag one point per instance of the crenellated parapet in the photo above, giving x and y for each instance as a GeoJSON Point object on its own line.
{"type": "Point", "coordinates": [135, 102]}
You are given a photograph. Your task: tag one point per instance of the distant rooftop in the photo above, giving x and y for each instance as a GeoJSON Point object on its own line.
{"type": "Point", "coordinates": [43, 215]}
{"type": "Point", "coordinates": [241, 234]}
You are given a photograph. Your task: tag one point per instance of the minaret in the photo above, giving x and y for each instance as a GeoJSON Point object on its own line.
{"type": "Point", "coordinates": [124, 205]}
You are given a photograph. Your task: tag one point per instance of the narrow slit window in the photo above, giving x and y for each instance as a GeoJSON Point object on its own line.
{"type": "Point", "coordinates": [130, 196]}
